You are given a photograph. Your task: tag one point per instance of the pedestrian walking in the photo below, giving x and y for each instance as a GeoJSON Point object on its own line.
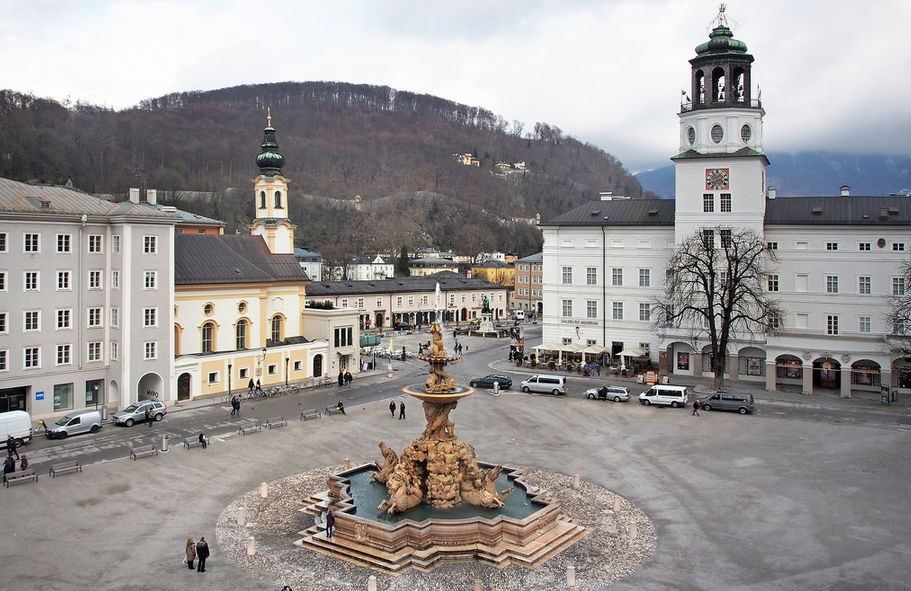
{"type": "Point", "coordinates": [203, 440]}
{"type": "Point", "coordinates": [341, 378]}
{"type": "Point", "coordinates": [348, 378]}
{"type": "Point", "coordinates": [190, 553]}
{"type": "Point", "coordinates": [23, 463]}
{"type": "Point", "coordinates": [455, 334]}
{"type": "Point", "coordinates": [392, 408]}
{"type": "Point", "coordinates": [149, 417]}
{"type": "Point", "coordinates": [401, 410]}
{"type": "Point", "coordinates": [202, 552]}
{"type": "Point", "coordinates": [9, 466]}
{"type": "Point", "coordinates": [696, 408]}
{"type": "Point", "coordinates": [235, 406]}
{"type": "Point", "coordinates": [330, 524]}
{"type": "Point", "coordinates": [251, 386]}
{"type": "Point", "coordinates": [12, 447]}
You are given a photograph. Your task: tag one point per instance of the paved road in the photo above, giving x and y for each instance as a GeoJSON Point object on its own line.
{"type": "Point", "coordinates": [805, 494]}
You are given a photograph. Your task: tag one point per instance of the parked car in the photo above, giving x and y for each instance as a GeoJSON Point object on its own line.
{"type": "Point", "coordinates": [136, 412]}
{"type": "Point", "coordinates": [742, 403]}
{"type": "Point", "coordinates": [74, 423]}
{"type": "Point", "coordinates": [555, 385]}
{"type": "Point", "coordinates": [615, 393]}
{"type": "Point", "coordinates": [488, 382]}
{"type": "Point", "coordinates": [400, 325]}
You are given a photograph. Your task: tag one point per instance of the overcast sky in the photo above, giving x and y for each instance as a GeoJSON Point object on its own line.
{"type": "Point", "coordinates": [835, 74]}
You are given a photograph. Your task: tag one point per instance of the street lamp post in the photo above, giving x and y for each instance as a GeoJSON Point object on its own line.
{"type": "Point", "coordinates": [230, 366]}
{"type": "Point", "coordinates": [262, 365]}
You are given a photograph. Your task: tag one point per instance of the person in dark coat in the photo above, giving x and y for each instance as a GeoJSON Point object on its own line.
{"type": "Point", "coordinates": [191, 553]}
{"type": "Point", "coordinates": [348, 378]}
{"type": "Point", "coordinates": [251, 386]}
{"type": "Point", "coordinates": [341, 378]}
{"type": "Point", "coordinates": [203, 440]}
{"type": "Point", "coordinates": [202, 552]}
{"type": "Point", "coordinates": [401, 410]}
{"type": "Point", "coordinates": [9, 466]}
{"type": "Point", "coordinates": [341, 406]}
{"type": "Point", "coordinates": [11, 445]}
{"type": "Point", "coordinates": [392, 408]}
{"type": "Point", "coordinates": [330, 524]}
{"type": "Point", "coordinates": [23, 463]}
{"type": "Point", "coordinates": [149, 417]}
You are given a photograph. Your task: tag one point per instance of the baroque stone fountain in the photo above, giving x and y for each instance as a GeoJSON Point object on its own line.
{"type": "Point", "coordinates": [437, 501]}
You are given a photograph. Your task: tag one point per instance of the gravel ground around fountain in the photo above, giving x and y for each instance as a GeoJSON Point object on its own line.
{"type": "Point", "coordinates": [607, 554]}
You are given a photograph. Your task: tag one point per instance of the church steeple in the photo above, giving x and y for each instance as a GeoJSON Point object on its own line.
{"type": "Point", "coordinates": [271, 195]}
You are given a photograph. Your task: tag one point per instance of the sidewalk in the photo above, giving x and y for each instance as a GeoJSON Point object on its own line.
{"type": "Point", "coordinates": [868, 401]}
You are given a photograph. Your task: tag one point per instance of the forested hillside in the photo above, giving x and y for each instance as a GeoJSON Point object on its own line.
{"type": "Point", "coordinates": [393, 149]}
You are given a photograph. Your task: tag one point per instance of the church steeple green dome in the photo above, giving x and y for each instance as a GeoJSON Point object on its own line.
{"type": "Point", "coordinates": [270, 162]}
{"type": "Point", "coordinates": [721, 40]}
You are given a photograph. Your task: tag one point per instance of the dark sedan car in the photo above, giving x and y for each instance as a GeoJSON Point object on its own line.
{"type": "Point", "coordinates": [488, 382]}
{"type": "Point", "coordinates": [399, 325]}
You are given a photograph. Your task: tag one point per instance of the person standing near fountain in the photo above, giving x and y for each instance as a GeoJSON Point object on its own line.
{"type": "Point", "coordinates": [392, 408]}
{"type": "Point", "coordinates": [401, 410]}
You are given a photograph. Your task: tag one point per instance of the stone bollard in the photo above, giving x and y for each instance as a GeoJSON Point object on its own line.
{"type": "Point", "coordinates": [570, 576]}
{"type": "Point", "coordinates": [577, 483]}
{"type": "Point", "coordinates": [347, 463]}
{"type": "Point", "coordinates": [616, 504]}
{"type": "Point", "coordinates": [633, 531]}
{"type": "Point", "coordinates": [371, 583]}
{"type": "Point", "coordinates": [251, 546]}
{"type": "Point", "coordinates": [264, 490]}
{"type": "Point", "coordinates": [164, 443]}
{"type": "Point", "coordinates": [240, 516]}
{"type": "Point", "coordinates": [478, 585]}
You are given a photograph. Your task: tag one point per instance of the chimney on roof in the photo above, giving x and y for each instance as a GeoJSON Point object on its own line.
{"type": "Point", "coordinates": [152, 196]}
{"type": "Point", "coordinates": [773, 192]}
{"type": "Point", "coordinates": [845, 190]}
{"type": "Point", "coordinates": [134, 195]}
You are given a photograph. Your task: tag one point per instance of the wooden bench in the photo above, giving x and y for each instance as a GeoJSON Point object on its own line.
{"type": "Point", "coordinates": [311, 413]}
{"type": "Point", "coordinates": [276, 422]}
{"type": "Point", "coordinates": [330, 410]}
{"type": "Point", "coordinates": [142, 451]}
{"type": "Point", "coordinates": [249, 429]}
{"type": "Point", "coordinates": [64, 468]}
{"type": "Point", "coordinates": [191, 442]}
{"type": "Point", "coordinates": [21, 476]}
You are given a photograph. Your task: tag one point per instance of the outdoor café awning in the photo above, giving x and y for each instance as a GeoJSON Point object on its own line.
{"type": "Point", "coordinates": [631, 352]}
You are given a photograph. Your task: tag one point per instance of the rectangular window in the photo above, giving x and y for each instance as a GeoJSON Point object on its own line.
{"type": "Point", "coordinates": [398, 301]}
{"type": "Point", "coordinates": [4, 238]}
{"type": "Point", "coordinates": [63, 243]}
{"type": "Point", "coordinates": [379, 302]}
{"type": "Point", "coordinates": [771, 245]}
{"type": "Point", "coordinates": [898, 246]}
{"type": "Point", "coordinates": [94, 351]}
{"type": "Point", "coordinates": [94, 279]}
{"type": "Point", "coordinates": [2, 280]}
{"type": "Point", "coordinates": [63, 396]}
{"type": "Point", "coordinates": [115, 317]}
{"type": "Point", "coordinates": [63, 355]}
{"type": "Point", "coordinates": [94, 317]}
{"type": "Point", "coordinates": [591, 276]}
{"type": "Point", "coordinates": [150, 244]}
{"type": "Point", "coordinates": [115, 279]}
{"type": "Point", "coordinates": [567, 308]}
{"type": "Point", "coordinates": [151, 279]}
{"type": "Point", "coordinates": [863, 246]}
{"type": "Point", "coordinates": [4, 325]}
{"type": "Point", "coordinates": [617, 310]}
{"type": "Point", "coordinates": [865, 324]}
{"type": "Point", "coordinates": [726, 238]}
{"type": "Point", "coordinates": [708, 202]}
{"type": "Point", "coordinates": [591, 309]}
{"type": "Point", "coordinates": [774, 322]}
{"type": "Point", "coordinates": [115, 243]}
{"type": "Point", "coordinates": [150, 317]}
{"type": "Point", "coordinates": [831, 324]}
{"type": "Point", "coordinates": [831, 246]}
{"type": "Point", "coordinates": [360, 303]}
{"type": "Point", "coordinates": [150, 350]}
{"type": "Point", "coordinates": [31, 281]}
{"type": "Point", "coordinates": [645, 277]}
{"type": "Point", "coordinates": [864, 285]}
{"type": "Point", "coordinates": [831, 283]}
{"type": "Point", "coordinates": [410, 301]}
{"type": "Point", "coordinates": [213, 377]}
{"type": "Point", "coordinates": [726, 202]}
{"type": "Point", "coordinates": [898, 286]}
{"type": "Point", "coordinates": [645, 311]}
{"type": "Point", "coordinates": [32, 320]}
{"type": "Point", "coordinates": [616, 276]}
{"type": "Point", "coordinates": [115, 350]}
{"type": "Point", "coordinates": [95, 242]}
{"type": "Point", "coordinates": [344, 302]}
{"type": "Point", "coordinates": [32, 357]}
{"type": "Point", "coordinates": [63, 280]}
{"type": "Point", "coordinates": [32, 243]}
{"type": "Point", "coordinates": [567, 275]}
{"type": "Point", "coordinates": [64, 319]}
{"type": "Point", "coordinates": [708, 239]}
{"type": "Point", "coordinates": [773, 282]}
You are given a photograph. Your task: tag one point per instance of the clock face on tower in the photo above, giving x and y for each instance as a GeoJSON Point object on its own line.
{"type": "Point", "coordinates": [716, 178]}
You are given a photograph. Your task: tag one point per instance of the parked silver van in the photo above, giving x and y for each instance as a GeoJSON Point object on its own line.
{"type": "Point", "coordinates": [74, 423]}
{"type": "Point", "coordinates": [665, 395]}
{"type": "Point", "coordinates": [742, 403]}
{"type": "Point", "coordinates": [545, 384]}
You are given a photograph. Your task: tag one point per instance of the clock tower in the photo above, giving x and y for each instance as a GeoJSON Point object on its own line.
{"type": "Point", "coordinates": [271, 195]}
{"type": "Point", "coordinates": [720, 168]}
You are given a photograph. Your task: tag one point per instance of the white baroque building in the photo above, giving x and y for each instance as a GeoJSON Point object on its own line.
{"type": "Point", "coordinates": [838, 256]}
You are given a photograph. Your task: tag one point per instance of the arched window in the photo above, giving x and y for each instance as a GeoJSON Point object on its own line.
{"type": "Point", "coordinates": [738, 86]}
{"type": "Point", "coordinates": [278, 200]}
{"type": "Point", "coordinates": [276, 329]}
{"type": "Point", "coordinates": [262, 200]}
{"type": "Point", "coordinates": [718, 85]}
{"type": "Point", "coordinates": [240, 335]}
{"type": "Point", "coordinates": [700, 87]}
{"type": "Point", "coordinates": [208, 330]}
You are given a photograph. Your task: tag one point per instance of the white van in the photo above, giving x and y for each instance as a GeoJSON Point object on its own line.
{"type": "Point", "coordinates": [518, 314]}
{"type": "Point", "coordinates": [665, 395]}
{"type": "Point", "coordinates": [17, 423]}
{"type": "Point", "coordinates": [546, 384]}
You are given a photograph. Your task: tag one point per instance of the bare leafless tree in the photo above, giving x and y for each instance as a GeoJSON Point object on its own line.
{"type": "Point", "coordinates": [717, 289]}
{"type": "Point", "coordinates": [898, 316]}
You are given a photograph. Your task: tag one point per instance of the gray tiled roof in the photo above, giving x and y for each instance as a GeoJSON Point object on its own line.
{"type": "Point", "coordinates": [448, 280]}
{"type": "Point", "coordinates": [231, 258]}
{"type": "Point", "coordinates": [894, 210]}
{"type": "Point", "coordinates": [619, 212]}
{"type": "Point", "coordinates": [535, 258]}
